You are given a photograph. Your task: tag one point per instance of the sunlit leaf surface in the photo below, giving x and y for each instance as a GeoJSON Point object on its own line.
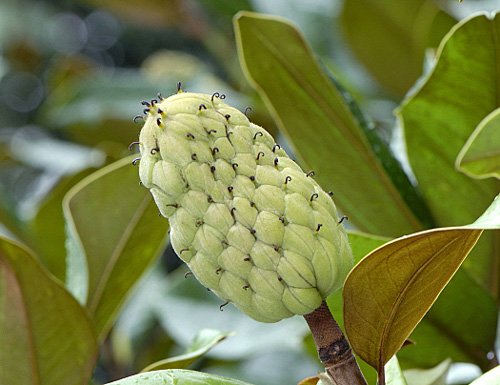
{"type": "Point", "coordinates": [393, 373]}
{"type": "Point", "coordinates": [490, 378]}
{"type": "Point", "coordinates": [439, 117]}
{"type": "Point", "coordinates": [205, 340]}
{"type": "Point", "coordinates": [433, 376]}
{"type": "Point", "coordinates": [480, 157]}
{"type": "Point", "coordinates": [177, 377]}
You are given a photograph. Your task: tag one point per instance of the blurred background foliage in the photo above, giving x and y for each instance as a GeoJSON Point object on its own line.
{"type": "Point", "coordinates": [72, 75]}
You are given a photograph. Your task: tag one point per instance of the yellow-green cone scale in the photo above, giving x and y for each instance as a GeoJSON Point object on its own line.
{"type": "Point", "coordinates": [250, 224]}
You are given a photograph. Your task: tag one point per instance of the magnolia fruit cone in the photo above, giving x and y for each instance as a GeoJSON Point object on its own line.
{"type": "Point", "coordinates": [250, 224]}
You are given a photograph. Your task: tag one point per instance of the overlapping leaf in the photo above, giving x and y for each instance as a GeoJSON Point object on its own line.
{"type": "Point", "coordinates": [490, 378]}
{"type": "Point", "coordinates": [177, 377]}
{"type": "Point", "coordinates": [46, 336]}
{"type": "Point", "coordinates": [480, 157]}
{"type": "Point", "coordinates": [205, 340]}
{"type": "Point", "coordinates": [433, 376]}
{"type": "Point", "coordinates": [315, 117]}
{"type": "Point", "coordinates": [450, 329]}
{"type": "Point", "coordinates": [114, 234]}
{"type": "Point", "coordinates": [46, 231]}
{"type": "Point", "coordinates": [390, 290]}
{"type": "Point", "coordinates": [439, 118]}
{"type": "Point", "coordinates": [393, 373]}
{"type": "Point", "coordinates": [391, 38]}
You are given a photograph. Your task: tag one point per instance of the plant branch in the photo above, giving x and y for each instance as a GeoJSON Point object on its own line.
{"type": "Point", "coordinates": [333, 349]}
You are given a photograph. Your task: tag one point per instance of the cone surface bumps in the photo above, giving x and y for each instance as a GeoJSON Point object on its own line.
{"type": "Point", "coordinates": [250, 224]}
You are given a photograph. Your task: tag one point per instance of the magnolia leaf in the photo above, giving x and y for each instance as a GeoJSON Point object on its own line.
{"type": "Point", "coordinates": [177, 377]}
{"type": "Point", "coordinates": [480, 156]}
{"type": "Point", "coordinates": [442, 114]}
{"type": "Point", "coordinates": [205, 340]}
{"type": "Point", "coordinates": [393, 373]}
{"type": "Point", "coordinates": [439, 117]}
{"type": "Point", "coordinates": [392, 288]}
{"type": "Point", "coordinates": [391, 39]}
{"type": "Point", "coordinates": [433, 376]}
{"type": "Point", "coordinates": [46, 336]}
{"type": "Point", "coordinates": [46, 230]}
{"type": "Point", "coordinates": [466, 336]}
{"type": "Point", "coordinates": [114, 235]}
{"type": "Point", "coordinates": [317, 120]}
{"type": "Point", "coordinates": [489, 378]}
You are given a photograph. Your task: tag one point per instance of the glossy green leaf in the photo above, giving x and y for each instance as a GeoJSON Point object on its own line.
{"type": "Point", "coordinates": [438, 119]}
{"type": "Point", "coordinates": [319, 123]}
{"type": "Point", "coordinates": [489, 219]}
{"type": "Point", "coordinates": [177, 377]}
{"type": "Point", "coordinates": [205, 340]}
{"type": "Point", "coordinates": [393, 373]}
{"type": "Point", "coordinates": [443, 113]}
{"type": "Point", "coordinates": [433, 376]}
{"type": "Point", "coordinates": [390, 290]}
{"type": "Point", "coordinates": [480, 157]}
{"type": "Point", "coordinates": [46, 337]}
{"type": "Point", "coordinates": [390, 38]}
{"type": "Point", "coordinates": [114, 235]}
{"type": "Point", "coordinates": [490, 378]}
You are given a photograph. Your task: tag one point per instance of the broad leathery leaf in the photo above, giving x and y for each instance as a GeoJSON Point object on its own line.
{"type": "Point", "coordinates": [439, 117]}
{"type": "Point", "coordinates": [480, 156]}
{"type": "Point", "coordinates": [361, 244]}
{"type": "Point", "coordinates": [314, 116]}
{"type": "Point", "coordinates": [390, 290]}
{"type": "Point", "coordinates": [46, 231]}
{"type": "Point", "coordinates": [434, 141]}
{"type": "Point", "coordinates": [450, 329]}
{"type": "Point", "coordinates": [433, 376]}
{"type": "Point", "coordinates": [114, 235]}
{"type": "Point", "coordinates": [489, 378]}
{"type": "Point", "coordinates": [46, 336]}
{"type": "Point", "coordinates": [177, 377]}
{"type": "Point", "coordinates": [205, 340]}
{"type": "Point", "coordinates": [393, 373]}
{"type": "Point", "coordinates": [466, 337]}
{"type": "Point", "coordinates": [390, 38]}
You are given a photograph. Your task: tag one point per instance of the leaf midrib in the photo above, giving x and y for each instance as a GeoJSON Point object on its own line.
{"type": "Point", "coordinates": [402, 295]}
{"type": "Point", "coordinates": [366, 152]}
{"type": "Point", "coordinates": [117, 251]}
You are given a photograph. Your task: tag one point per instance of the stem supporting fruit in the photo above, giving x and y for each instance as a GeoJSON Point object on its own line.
{"type": "Point", "coordinates": [333, 349]}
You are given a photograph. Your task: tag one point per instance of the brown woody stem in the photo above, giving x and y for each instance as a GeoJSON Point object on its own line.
{"type": "Point", "coordinates": [333, 349]}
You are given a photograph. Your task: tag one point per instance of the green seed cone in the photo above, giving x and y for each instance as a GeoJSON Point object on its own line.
{"type": "Point", "coordinates": [250, 224]}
